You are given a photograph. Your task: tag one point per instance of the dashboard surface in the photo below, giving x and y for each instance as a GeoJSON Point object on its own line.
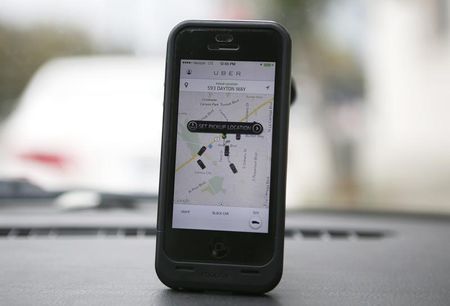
{"type": "Point", "coordinates": [97, 258]}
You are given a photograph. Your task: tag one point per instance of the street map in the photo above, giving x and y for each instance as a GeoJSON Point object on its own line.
{"type": "Point", "coordinates": [224, 169]}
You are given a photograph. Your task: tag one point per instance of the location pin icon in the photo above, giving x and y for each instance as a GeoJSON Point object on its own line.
{"type": "Point", "coordinates": [186, 84]}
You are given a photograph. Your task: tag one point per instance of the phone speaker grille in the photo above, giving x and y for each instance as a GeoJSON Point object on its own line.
{"type": "Point", "coordinates": [223, 47]}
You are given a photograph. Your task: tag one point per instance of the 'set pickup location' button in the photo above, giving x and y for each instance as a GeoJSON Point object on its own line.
{"type": "Point", "coordinates": [225, 127]}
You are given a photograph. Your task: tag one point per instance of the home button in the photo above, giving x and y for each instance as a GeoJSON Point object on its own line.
{"type": "Point", "coordinates": [219, 249]}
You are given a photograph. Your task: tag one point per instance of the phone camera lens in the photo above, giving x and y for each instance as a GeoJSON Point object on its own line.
{"type": "Point", "coordinates": [224, 38]}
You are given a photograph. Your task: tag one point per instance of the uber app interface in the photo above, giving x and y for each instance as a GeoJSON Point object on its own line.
{"type": "Point", "coordinates": [224, 145]}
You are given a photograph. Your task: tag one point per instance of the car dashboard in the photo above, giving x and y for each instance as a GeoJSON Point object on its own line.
{"type": "Point", "coordinates": [106, 256]}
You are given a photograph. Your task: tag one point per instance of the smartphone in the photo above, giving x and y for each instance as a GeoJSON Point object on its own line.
{"type": "Point", "coordinates": [221, 203]}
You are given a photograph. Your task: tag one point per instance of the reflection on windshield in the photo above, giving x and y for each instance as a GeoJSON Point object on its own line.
{"type": "Point", "coordinates": [81, 89]}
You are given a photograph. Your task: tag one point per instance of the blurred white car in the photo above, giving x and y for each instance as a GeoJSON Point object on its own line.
{"type": "Point", "coordinates": [88, 122]}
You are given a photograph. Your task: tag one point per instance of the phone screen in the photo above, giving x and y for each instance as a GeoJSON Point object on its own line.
{"type": "Point", "coordinates": [224, 146]}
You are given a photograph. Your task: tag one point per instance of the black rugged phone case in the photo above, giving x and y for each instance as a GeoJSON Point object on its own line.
{"type": "Point", "coordinates": [228, 277]}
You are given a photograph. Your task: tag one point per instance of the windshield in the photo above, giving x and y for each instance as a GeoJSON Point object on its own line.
{"type": "Point", "coordinates": [81, 91]}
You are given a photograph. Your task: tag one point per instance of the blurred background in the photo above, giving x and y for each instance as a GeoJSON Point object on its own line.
{"type": "Point", "coordinates": [81, 90]}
